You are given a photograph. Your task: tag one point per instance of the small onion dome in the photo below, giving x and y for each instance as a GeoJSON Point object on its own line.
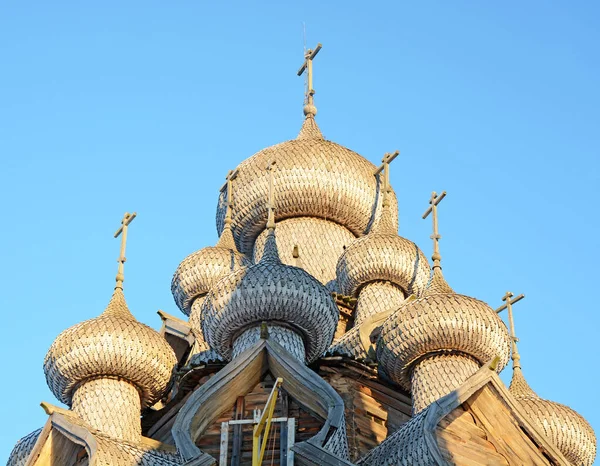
{"type": "Point", "coordinates": [271, 292]}
{"type": "Point", "coordinates": [565, 428]}
{"type": "Point", "coordinates": [200, 270]}
{"type": "Point", "coordinates": [382, 255]}
{"type": "Point", "coordinates": [315, 178]}
{"type": "Point", "coordinates": [440, 321]}
{"type": "Point", "coordinates": [113, 344]}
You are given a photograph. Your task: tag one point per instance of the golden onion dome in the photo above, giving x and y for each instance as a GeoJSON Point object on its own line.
{"type": "Point", "coordinates": [315, 178]}
{"type": "Point", "coordinates": [382, 255]}
{"type": "Point", "coordinates": [113, 344]}
{"type": "Point", "coordinates": [198, 272]}
{"type": "Point", "coordinates": [563, 426]}
{"type": "Point", "coordinates": [440, 321]}
{"type": "Point", "coordinates": [270, 292]}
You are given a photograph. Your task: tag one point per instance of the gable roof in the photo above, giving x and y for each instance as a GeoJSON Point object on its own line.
{"type": "Point", "coordinates": [417, 441]}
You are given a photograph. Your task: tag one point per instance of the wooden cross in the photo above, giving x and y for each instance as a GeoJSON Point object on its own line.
{"type": "Point", "coordinates": [309, 56]}
{"type": "Point", "coordinates": [231, 175]}
{"type": "Point", "coordinates": [385, 168]}
{"type": "Point", "coordinates": [508, 302]}
{"type": "Point", "coordinates": [127, 219]}
{"type": "Point", "coordinates": [271, 201]}
{"type": "Point", "coordinates": [432, 209]}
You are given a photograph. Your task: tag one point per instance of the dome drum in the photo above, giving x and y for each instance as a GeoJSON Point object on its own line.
{"type": "Point", "coordinates": [314, 244]}
{"type": "Point", "coordinates": [376, 297]}
{"type": "Point", "coordinates": [110, 405]}
{"type": "Point", "coordinates": [285, 336]}
{"type": "Point", "coordinates": [438, 374]}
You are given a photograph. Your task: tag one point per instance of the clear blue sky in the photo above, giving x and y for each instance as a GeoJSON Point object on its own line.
{"type": "Point", "coordinates": [113, 107]}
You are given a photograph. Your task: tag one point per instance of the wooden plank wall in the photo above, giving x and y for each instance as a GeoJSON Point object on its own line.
{"type": "Point", "coordinates": [373, 409]}
{"type": "Point", "coordinates": [482, 431]}
{"type": "Point", "coordinates": [307, 425]}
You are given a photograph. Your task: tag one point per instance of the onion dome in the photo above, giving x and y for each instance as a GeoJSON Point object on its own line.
{"type": "Point", "coordinates": [200, 270]}
{"type": "Point", "coordinates": [274, 293]}
{"type": "Point", "coordinates": [20, 453]}
{"type": "Point", "coordinates": [564, 427]}
{"type": "Point", "coordinates": [382, 256]}
{"type": "Point", "coordinates": [114, 344]}
{"type": "Point", "coordinates": [315, 178]}
{"type": "Point", "coordinates": [432, 344]}
{"type": "Point", "coordinates": [113, 348]}
{"type": "Point", "coordinates": [271, 292]}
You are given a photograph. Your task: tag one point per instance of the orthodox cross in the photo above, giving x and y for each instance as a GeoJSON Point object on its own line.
{"type": "Point", "coordinates": [231, 175]}
{"type": "Point", "coordinates": [385, 168]}
{"type": "Point", "coordinates": [432, 209]}
{"type": "Point", "coordinates": [309, 56]}
{"type": "Point", "coordinates": [127, 219]}
{"type": "Point", "coordinates": [508, 302]}
{"type": "Point", "coordinates": [271, 202]}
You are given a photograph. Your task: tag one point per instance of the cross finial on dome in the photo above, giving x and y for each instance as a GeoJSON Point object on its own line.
{"type": "Point", "coordinates": [231, 175]}
{"type": "Point", "coordinates": [309, 106]}
{"type": "Point", "coordinates": [508, 302]}
{"type": "Point", "coordinates": [271, 203]}
{"type": "Point", "coordinates": [226, 240]}
{"type": "Point", "coordinates": [385, 168]}
{"type": "Point", "coordinates": [432, 209]}
{"type": "Point", "coordinates": [122, 231]}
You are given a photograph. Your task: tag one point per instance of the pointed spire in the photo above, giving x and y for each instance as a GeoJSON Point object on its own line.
{"type": "Point", "coordinates": [117, 306]}
{"type": "Point", "coordinates": [226, 240]}
{"type": "Point", "coordinates": [310, 130]}
{"type": "Point", "coordinates": [438, 284]}
{"type": "Point", "coordinates": [386, 224]}
{"type": "Point", "coordinates": [122, 231]}
{"type": "Point", "coordinates": [271, 252]}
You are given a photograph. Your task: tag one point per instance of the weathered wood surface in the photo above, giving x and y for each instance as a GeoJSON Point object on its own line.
{"type": "Point", "coordinates": [307, 426]}
{"type": "Point", "coordinates": [308, 454]}
{"type": "Point", "coordinates": [373, 409]}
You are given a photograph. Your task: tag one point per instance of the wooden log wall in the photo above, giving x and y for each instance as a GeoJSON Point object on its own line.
{"type": "Point", "coordinates": [373, 408]}
{"type": "Point", "coordinates": [307, 425]}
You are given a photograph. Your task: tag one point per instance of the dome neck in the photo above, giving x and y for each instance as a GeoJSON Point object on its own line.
{"type": "Point", "coordinates": [270, 252]}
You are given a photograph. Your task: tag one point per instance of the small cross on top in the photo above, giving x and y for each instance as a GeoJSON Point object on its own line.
{"type": "Point", "coordinates": [309, 56]}
{"type": "Point", "coordinates": [122, 231]}
{"type": "Point", "coordinates": [432, 209]}
{"type": "Point", "coordinates": [231, 175]}
{"type": "Point", "coordinates": [271, 202]}
{"type": "Point", "coordinates": [385, 168]}
{"type": "Point", "coordinates": [508, 302]}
